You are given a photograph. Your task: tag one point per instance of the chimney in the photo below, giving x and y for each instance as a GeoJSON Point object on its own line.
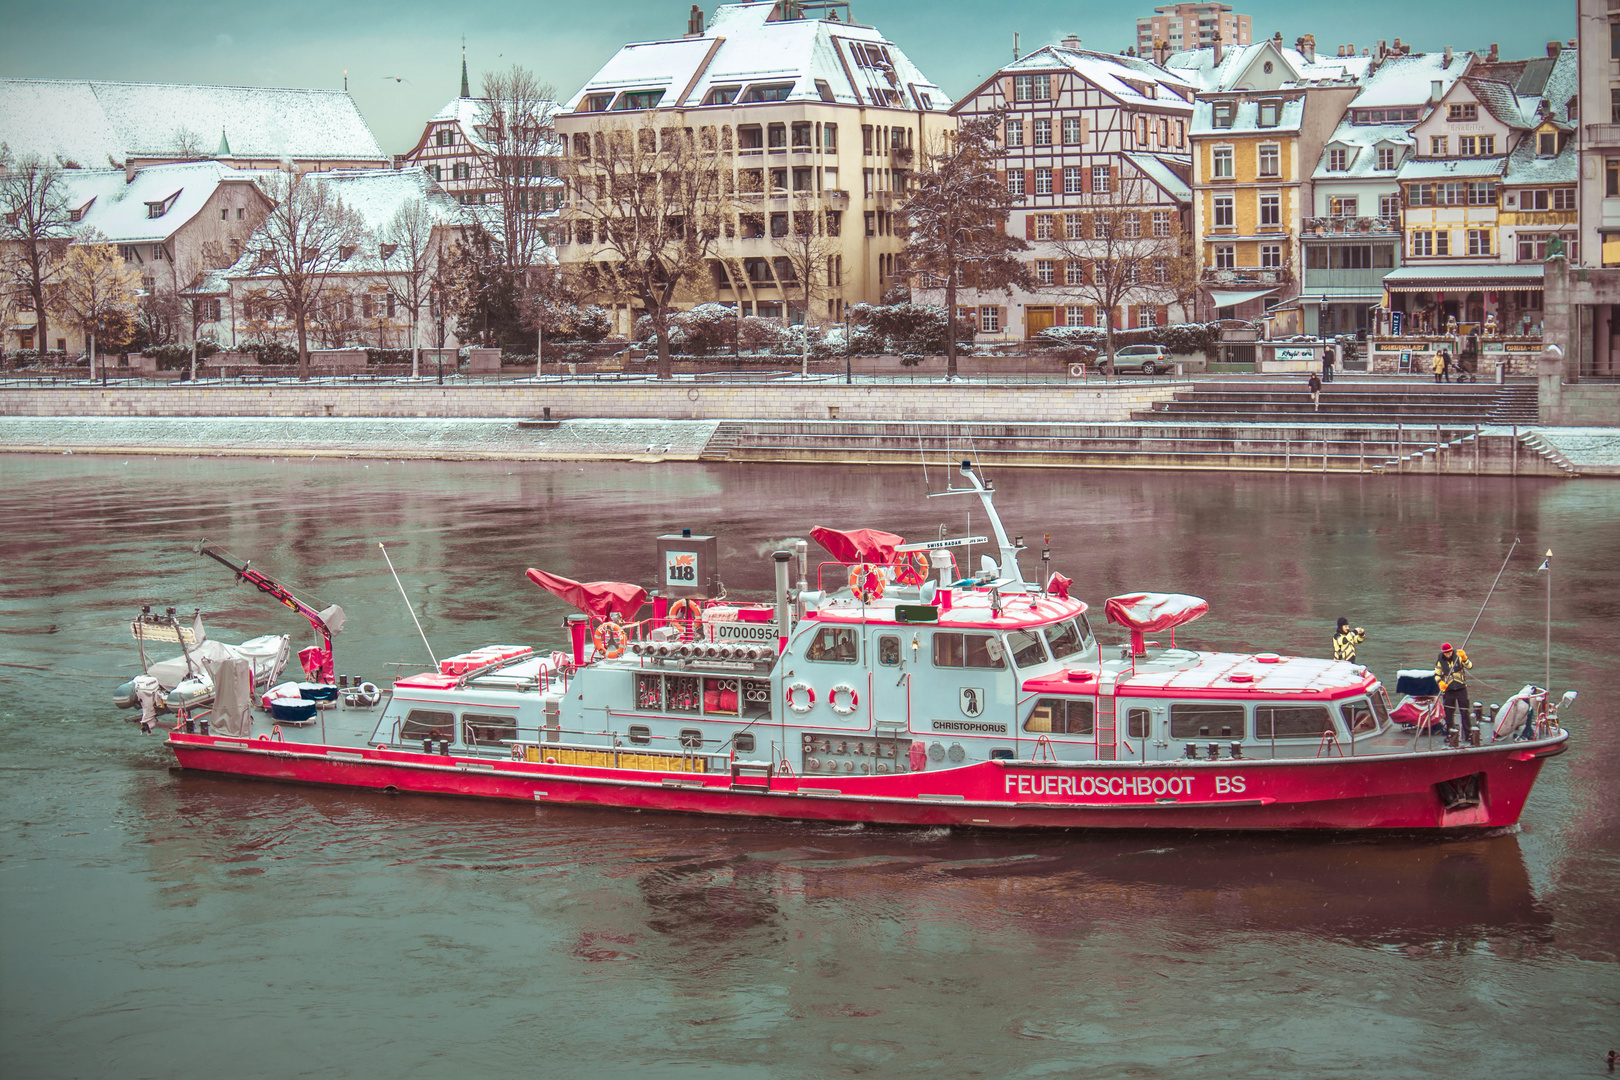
{"type": "Point", "coordinates": [1341, 50]}
{"type": "Point", "coordinates": [1215, 42]}
{"type": "Point", "coordinates": [1436, 91]}
{"type": "Point", "coordinates": [694, 22]}
{"type": "Point", "coordinates": [1446, 62]}
{"type": "Point", "coordinates": [1350, 49]}
{"type": "Point", "coordinates": [1494, 55]}
{"type": "Point", "coordinates": [1552, 49]}
{"type": "Point", "coordinates": [1395, 50]}
{"type": "Point", "coordinates": [1161, 50]}
{"type": "Point", "coordinates": [1072, 41]}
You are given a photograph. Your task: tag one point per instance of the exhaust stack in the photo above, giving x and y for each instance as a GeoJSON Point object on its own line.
{"type": "Point", "coordinates": [783, 609]}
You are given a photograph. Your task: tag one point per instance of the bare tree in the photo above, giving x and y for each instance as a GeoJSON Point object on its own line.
{"type": "Point", "coordinates": [956, 220]}
{"type": "Point", "coordinates": [159, 313]}
{"type": "Point", "coordinates": [300, 246]}
{"type": "Point", "coordinates": [188, 144]}
{"type": "Point", "coordinates": [334, 317]}
{"type": "Point", "coordinates": [414, 262]}
{"type": "Point", "coordinates": [36, 224]}
{"type": "Point", "coordinates": [96, 291]}
{"type": "Point", "coordinates": [1117, 253]}
{"type": "Point", "coordinates": [520, 138]}
{"type": "Point", "coordinates": [805, 251]}
{"type": "Point", "coordinates": [649, 205]}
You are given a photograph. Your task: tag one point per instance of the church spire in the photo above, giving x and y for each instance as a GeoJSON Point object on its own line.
{"type": "Point", "coordinates": [465, 91]}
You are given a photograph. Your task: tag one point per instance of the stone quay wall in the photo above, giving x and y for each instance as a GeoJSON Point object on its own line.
{"type": "Point", "coordinates": [678, 400]}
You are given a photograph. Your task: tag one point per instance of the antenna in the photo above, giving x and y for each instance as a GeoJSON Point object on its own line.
{"type": "Point", "coordinates": [408, 606]}
{"type": "Point", "coordinates": [1015, 44]}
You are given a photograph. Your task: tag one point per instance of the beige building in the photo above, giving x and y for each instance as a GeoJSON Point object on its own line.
{"type": "Point", "coordinates": [1191, 26]}
{"type": "Point", "coordinates": [822, 116]}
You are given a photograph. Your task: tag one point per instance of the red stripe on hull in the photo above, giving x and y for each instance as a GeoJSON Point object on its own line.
{"type": "Point", "coordinates": [1394, 792]}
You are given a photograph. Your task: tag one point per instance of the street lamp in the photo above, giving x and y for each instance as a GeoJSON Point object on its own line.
{"type": "Point", "coordinates": [848, 348]}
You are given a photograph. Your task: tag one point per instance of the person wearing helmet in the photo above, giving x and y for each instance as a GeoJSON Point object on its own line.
{"type": "Point", "coordinates": [1345, 641]}
{"type": "Point", "coordinates": [1451, 671]}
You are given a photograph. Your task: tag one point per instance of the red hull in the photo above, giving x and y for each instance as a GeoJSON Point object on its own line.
{"type": "Point", "coordinates": [1387, 792]}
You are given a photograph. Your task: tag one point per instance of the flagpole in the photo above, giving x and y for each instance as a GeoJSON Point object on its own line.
{"type": "Point", "coordinates": [1547, 566]}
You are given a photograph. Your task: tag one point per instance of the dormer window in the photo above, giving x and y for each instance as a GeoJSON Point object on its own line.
{"type": "Point", "coordinates": [824, 91]}
{"type": "Point", "coordinates": [1386, 158]}
{"type": "Point", "coordinates": [443, 137]}
{"type": "Point", "coordinates": [1032, 88]}
{"type": "Point", "coordinates": [387, 250]}
{"type": "Point", "coordinates": [1338, 159]}
{"type": "Point", "coordinates": [345, 252]}
{"type": "Point", "coordinates": [1224, 113]}
{"type": "Point", "coordinates": [596, 102]}
{"type": "Point", "coordinates": [774, 92]}
{"type": "Point", "coordinates": [722, 95]}
{"type": "Point", "coordinates": [1463, 112]}
{"type": "Point", "coordinates": [1547, 144]}
{"type": "Point", "coordinates": [635, 100]}
{"type": "Point", "coordinates": [1269, 111]}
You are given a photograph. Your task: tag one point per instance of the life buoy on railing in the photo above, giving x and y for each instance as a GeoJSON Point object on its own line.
{"type": "Point", "coordinates": [804, 688]}
{"type": "Point", "coordinates": [688, 615]}
{"type": "Point", "coordinates": [865, 582]}
{"type": "Point", "coordinates": [843, 710]}
{"type": "Point", "coordinates": [911, 567]}
{"type": "Point", "coordinates": [609, 639]}
{"type": "Point", "coordinates": [1077, 371]}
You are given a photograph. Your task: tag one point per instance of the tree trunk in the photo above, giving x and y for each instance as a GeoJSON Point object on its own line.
{"type": "Point", "coordinates": [303, 346]}
{"type": "Point", "coordinates": [93, 359]}
{"type": "Point", "coordinates": [416, 344]}
{"type": "Point", "coordinates": [41, 320]}
{"type": "Point", "coordinates": [1108, 342]}
{"type": "Point", "coordinates": [539, 347]}
{"type": "Point", "coordinates": [666, 370]}
{"type": "Point", "coordinates": [950, 326]}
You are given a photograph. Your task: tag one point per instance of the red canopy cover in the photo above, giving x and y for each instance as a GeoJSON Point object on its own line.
{"type": "Point", "coordinates": [593, 597]}
{"type": "Point", "coordinates": [857, 545]}
{"type": "Point", "coordinates": [1150, 612]}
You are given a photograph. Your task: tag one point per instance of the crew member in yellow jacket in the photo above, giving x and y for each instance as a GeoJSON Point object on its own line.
{"type": "Point", "coordinates": [1451, 670]}
{"type": "Point", "coordinates": [1345, 641]}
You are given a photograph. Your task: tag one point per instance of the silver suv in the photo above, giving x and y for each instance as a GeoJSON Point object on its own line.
{"type": "Point", "coordinates": [1151, 359]}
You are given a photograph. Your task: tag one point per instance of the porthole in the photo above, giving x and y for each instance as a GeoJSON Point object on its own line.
{"type": "Point", "coordinates": [744, 743]}
{"type": "Point", "coordinates": [640, 734]}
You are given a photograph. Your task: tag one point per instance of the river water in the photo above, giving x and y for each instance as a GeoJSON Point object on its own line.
{"type": "Point", "coordinates": [159, 924]}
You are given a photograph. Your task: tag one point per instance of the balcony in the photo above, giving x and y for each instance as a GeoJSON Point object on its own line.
{"type": "Point", "coordinates": [837, 198]}
{"type": "Point", "coordinates": [1350, 226]}
{"type": "Point", "coordinates": [1241, 276]}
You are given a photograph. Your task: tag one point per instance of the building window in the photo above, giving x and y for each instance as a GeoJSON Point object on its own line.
{"type": "Point", "coordinates": [1075, 315]}
{"type": "Point", "coordinates": [1465, 112]}
{"type": "Point", "coordinates": [1043, 226]}
{"type": "Point", "coordinates": [1145, 317]}
{"type": "Point", "coordinates": [1073, 133]}
{"type": "Point", "coordinates": [1468, 146]}
{"type": "Point", "coordinates": [1032, 88]}
{"type": "Point", "coordinates": [1015, 181]}
{"type": "Point", "coordinates": [1386, 158]}
{"type": "Point", "coordinates": [1270, 160]}
{"type": "Point", "coordinates": [1423, 243]}
{"type": "Point", "coordinates": [1270, 210]}
{"type": "Point", "coordinates": [1342, 206]}
{"type": "Point", "coordinates": [1015, 133]}
{"type": "Point", "coordinates": [1041, 132]}
{"type": "Point", "coordinates": [1614, 104]}
{"type": "Point", "coordinates": [1533, 200]}
{"type": "Point", "coordinates": [1161, 223]}
{"type": "Point", "coordinates": [1438, 145]}
{"type": "Point", "coordinates": [1224, 216]}
{"type": "Point", "coordinates": [1045, 272]}
{"type": "Point", "coordinates": [1225, 257]}
{"type": "Point", "coordinates": [1479, 241]}
{"type": "Point", "coordinates": [1102, 227]}
{"type": "Point", "coordinates": [1442, 241]}
{"type": "Point", "coordinates": [1611, 175]}
{"type": "Point", "coordinates": [1563, 198]}
{"type": "Point", "coordinates": [1071, 180]}
{"type": "Point", "coordinates": [1074, 273]}
{"type": "Point", "coordinates": [1481, 193]}
{"type": "Point", "coordinates": [1338, 159]}
{"type": "Point", "coordinates": [1221, 163]}
{"type": "Point", "coordinates": [1043, 181]}
{"type": "Point", "coordinates": [1268, 113]}
{"type": "Point", "coordinates": [1223, 114]}
{"type": "Point", "coordinates": [989, 319]}
{"type": "Point", "coordinates": [1547, 144]}
{"type": "Point", "coordinates": [1099, 178]}
{"type": "Point", "coordinates": [1130, 225]}
{"type": "Point", "coordinates": [1389, 207]}
{"type": "Point", "coordinates": [1072, 227]}
{"type": "Point", "coordinates": [1271, 256]}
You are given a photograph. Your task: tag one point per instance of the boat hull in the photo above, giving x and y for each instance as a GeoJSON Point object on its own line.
{"type": "Point", "coordinates": [1466, 788]}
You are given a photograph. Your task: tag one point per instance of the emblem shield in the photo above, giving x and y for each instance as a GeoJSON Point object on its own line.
{"type": "Point", "coordinates": [972, 700]}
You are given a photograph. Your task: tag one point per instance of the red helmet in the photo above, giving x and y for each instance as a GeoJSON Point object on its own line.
{"type": "Point", "coordinates": [1446, 647]}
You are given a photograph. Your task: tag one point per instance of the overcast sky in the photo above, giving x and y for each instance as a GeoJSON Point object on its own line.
{"type": "Point", "coordinates": [303, 43]}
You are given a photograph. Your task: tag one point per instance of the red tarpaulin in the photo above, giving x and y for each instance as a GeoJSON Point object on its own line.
{"type": "Point", "coordinates": [595, 598]}
{"type": "Point", "coordinates": [1150, 612]}
{"type": "Point", "coordinates": [857, 545]}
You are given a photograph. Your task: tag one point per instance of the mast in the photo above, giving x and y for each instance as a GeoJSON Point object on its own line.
{"type": "Point", "coordinates": [273, 588]}
{"type": "Point", "coordinates": [1011, 574]}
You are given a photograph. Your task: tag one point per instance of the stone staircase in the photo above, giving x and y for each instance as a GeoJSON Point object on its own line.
{"type": "Point", "coordinates": [1518, 402]}
{"type": "Point", "coordinates": [1533, 441]}
{"type": "Point", "coordinates": [1346, 401]}
{"type": "Point", "coordinates": [725, 439]}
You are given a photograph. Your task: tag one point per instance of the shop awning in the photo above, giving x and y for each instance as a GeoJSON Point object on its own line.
{"type": "Point", "coordinates": [1234, 297]}
{"type": "Point", "coordinates": [1504, 278]}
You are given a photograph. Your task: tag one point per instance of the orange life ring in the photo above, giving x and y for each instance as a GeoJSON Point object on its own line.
{"type": "Point", "coordinates": [911, 567]}
{"type": "Point", "coordinates": [688, 614]}
{"type": "Point", "coordinates": [609, 639]}
{"type": "Point", "coordinates": [865, 582]}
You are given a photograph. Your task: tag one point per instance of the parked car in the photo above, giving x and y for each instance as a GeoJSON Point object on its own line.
{"type": "Point", "coordinates": [1151, 359]}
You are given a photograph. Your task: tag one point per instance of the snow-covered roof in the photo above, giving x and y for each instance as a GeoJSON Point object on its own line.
{"type": "Point", "coordinates": [1246, 119]}
{"type": "Point", "coordinates": [1164, 174]}
{"type": "Point", "coordinates": [122, 211]}
{"type": "Point", "coordinates": [1362, 141]}
{"type": "Point", "coordinates": [472, 114]}
{"type": "Point", "coordinates": [1451, 168]}
{"type": "Point", "coordinates": [743, 48]}
{"type": "Point", "coordinates": [1498, 99]}
{"type": "Point", "coordinates": [1128, 79]}
{"type": "Point", "coordinates": [1525, 167]}
{"type": "Point", "coordinates": [1239, 62]}
{"type": "Point", "coordinates": [1409, 79]}
{"type": "Point", "coordinates": [96, 124]}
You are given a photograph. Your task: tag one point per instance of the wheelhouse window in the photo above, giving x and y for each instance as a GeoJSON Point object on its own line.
{"type": "Point", "coordinates": [1026, 648]}
{"type": "Point", "coordinates": [1072, 637]}
{"type": "Point", "coordinates": [426, 724]}
{"type": "Point", "coordinates": [1206, 721]}
{"type": "Point", "coordinates": [1291, 721]}
{"type": "Point", "coordinates": [967, 651]}
{"type": "Point", "coordinates": [833, 645]}
{"type": "Point", "coordinates": [485, 730]}
{"type": "Point", "coordinates": [889, 651]}
{"type": "Point", "coordinates": [1136, 724]}
{"type": "Point", "coordinates": [1359, 718]}
{"type": "Point", "coordinates": [1061, 716]}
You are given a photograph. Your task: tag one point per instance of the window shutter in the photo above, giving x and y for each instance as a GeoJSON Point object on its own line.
{"type": "Point", "coordinates": [1164, 315]}
{"type": "Point", "coordinates": [1059, 276]}
{"type": "Point", "coordinates": [1085, 129]}
{"type": "Point", "coordinates": [1001, 319]}
{"type": "Point", "coordinates": [1029, 182]}
{"type": "Point", "coordinates": [1029, 226]}
{"type": "Point", "coordinates": [1091, 315]}
{"type": "Point", "coordinates": [1085, 176]}
{"type": "Point", "coordinates": [1001, 178]}
{"type": "Point", "coordinates": [1007, 87]}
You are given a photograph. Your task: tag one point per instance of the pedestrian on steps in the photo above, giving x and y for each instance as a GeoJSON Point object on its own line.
{"type": "Point", "coordinates": [1451, 671]}
{"type": "Point", "coordinates": [1316, 392]}
{"type": "Point", "coordinates": [1328, 355]}
{"type": "Point", "coordinates": [1345, 641]}
{"type": "Point", "coordinates": [1442, 366]}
